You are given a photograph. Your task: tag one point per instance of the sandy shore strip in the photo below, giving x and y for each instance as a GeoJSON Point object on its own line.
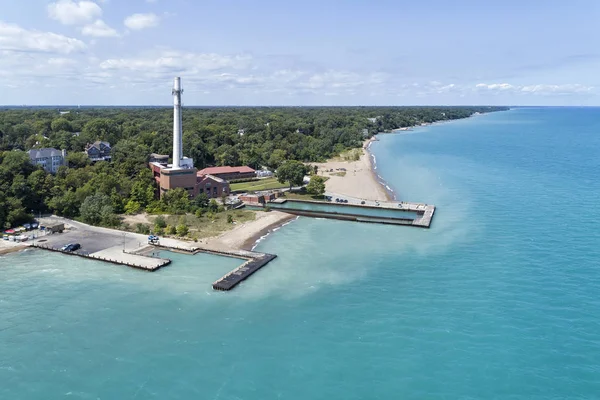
{"type": "Point", "coordinates": [7, 247]}
{"type": "Point", "coordinates": [359, 180]}
{"type": "Point", "coordinates": [244, 236]}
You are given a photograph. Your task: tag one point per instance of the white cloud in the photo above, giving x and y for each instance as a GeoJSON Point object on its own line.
{"type": "Point", "coordinates": [69, 12]}
{"type": "Point", "coordinates": [541, 89]}
{"type": "Point", "coordinates": [61, 62]}
{"type": "Point", "coordinates": [495, 86]}
{"type": "Point", "coordinates": [13, 37]}
{"type": "Point", "coordinates": [178, 62]}
{"type": "Point", "coordinates": [138, 22]}
{"type": "Point", "coordinates": [99, 29]}
{"type": "Point", "coordinates": [557, 89]}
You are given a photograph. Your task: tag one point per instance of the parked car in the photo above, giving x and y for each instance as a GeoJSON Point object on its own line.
{"type": "Point", "coordinates": [71, 247]}
{"type": "Point", "coordinates": [362, 202]}
{"type": "Point", "coordinates": [34, 225]}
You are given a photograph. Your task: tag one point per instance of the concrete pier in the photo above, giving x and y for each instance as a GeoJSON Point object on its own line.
{"type": "Point", "coordinates": [254, 262]}
{"type": "Point", "coordinates": [243, 272]}
{"type": "Point", "coordinates": [423, 219]}
{"type": "Point", "coordinates": [115, 256]}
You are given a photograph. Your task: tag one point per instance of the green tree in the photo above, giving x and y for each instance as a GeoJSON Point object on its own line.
{"type": "Point", "coordinates": [61, 124]}
{"type": "Point", "coordinates": [316, 186]}
{"type": "Point", "coordinates": [201, 200]}
{"type": "Point", "coordinates": [142, 228]}
{"type": "Point", "coordinates": [182, 230]}
{"type": "Point", "coordinates": [213, 206]}
{"type": "Point", "coordinates": [132, 207]}
{"type": "Point", "coordinates": [291, 171]}
{"type": "Point", "coordinates": [77, 159]}
{"type": "Point", "coordinates": [65, 204]}
{"type": "Point", "coordinates": [276, 158]}
{"type": "Point", "coordinates": [160, 222]}
{"type": "Point", "coordinates": [177, 200]}
{"type": "Point", "coordinates": [100, 129]}
{"type": "Point", "coordinates": [97, 210]}
{"type": "Point", "coordinates": [142, 190]}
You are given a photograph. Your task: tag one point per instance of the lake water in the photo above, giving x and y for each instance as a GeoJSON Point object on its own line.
{"type": "Point", "coordinates": [500, 299]}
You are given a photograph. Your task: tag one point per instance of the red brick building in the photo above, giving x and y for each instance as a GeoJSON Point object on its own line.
{"type": "Point", "coordinates": [229, 173]}
{"type": "Point", "coordinates": [258, 198]}
{"type": "Point", "coordinates": [212, 186]}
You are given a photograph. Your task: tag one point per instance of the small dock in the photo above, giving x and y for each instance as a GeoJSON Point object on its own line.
{"type": "Point", "coordinates": [115, 256]}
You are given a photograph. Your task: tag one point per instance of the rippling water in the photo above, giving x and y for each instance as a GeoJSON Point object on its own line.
{"type": "Point", "coordinates": [499, 299]}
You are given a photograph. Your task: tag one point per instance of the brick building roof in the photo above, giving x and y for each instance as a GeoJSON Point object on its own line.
{"type": "Point", "coordinates": [225, 170]}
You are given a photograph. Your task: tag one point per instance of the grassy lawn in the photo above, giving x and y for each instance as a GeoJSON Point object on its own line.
{"type": "Point", "coordinates": [255, 186]}
{"type": "Point", "coordinates": [207, 226]}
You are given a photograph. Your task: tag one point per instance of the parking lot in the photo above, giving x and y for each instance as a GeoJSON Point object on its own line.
{"type": "Point", "coordinates": [91, 239]}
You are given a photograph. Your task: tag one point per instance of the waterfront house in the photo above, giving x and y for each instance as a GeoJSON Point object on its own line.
{"type": "Point", "coordinates": [212, 186]}
{"type": "Point", "coordinates": [98, 151]}
{"type": "Point", "coordinates": [48, 158]}
{"type": "Point", "coordinates": [229, 173]}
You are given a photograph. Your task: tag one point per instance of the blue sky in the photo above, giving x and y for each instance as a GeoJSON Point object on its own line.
{"type": "Point", "coordinates": [328, 52]}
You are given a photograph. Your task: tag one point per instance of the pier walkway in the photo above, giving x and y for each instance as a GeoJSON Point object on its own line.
{"type": "Point", "coordinates": [115, 256]}
{"type": "Point", "coordinates": [424, 212]}
{"type": "Point", "coordinates": [254, 262]}
{"type": "Point", "coordinates": [132, 250]}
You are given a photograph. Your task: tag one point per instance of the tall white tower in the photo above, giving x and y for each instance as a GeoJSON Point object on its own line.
{"type": "Point", "coordinates": [177, 127]}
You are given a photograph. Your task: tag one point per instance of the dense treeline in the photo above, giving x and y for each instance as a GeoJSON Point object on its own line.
{"type": "Point", "coordinates": [262, 136]}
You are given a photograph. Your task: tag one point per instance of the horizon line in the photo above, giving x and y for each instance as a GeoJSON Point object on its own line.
{"type": "Point", "coordinates": [283, 106]}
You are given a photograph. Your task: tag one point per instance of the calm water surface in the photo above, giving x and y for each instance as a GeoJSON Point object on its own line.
{"type": "Point", "coordinates": [500, 299]}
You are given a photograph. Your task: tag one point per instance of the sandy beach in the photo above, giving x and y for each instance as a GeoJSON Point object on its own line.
{"type": "Point", "coordinates": [359, 179]}
{"type": "Point", "coordinates": [7, 247]}
{"type": "Point", "coordinates": [243, 236]}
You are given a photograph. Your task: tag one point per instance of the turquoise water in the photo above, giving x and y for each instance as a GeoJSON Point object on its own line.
{"type": "Point", "coordinates": [500, 299]}
{"type": "Point", "coordinates": [336, 208]}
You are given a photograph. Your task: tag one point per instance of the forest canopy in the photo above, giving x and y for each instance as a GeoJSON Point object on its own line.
{"type": "Point", "coordinates": [253, 136]}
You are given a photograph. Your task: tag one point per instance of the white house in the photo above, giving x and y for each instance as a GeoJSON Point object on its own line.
{"type": "Point", "coordinates": [50, 159]}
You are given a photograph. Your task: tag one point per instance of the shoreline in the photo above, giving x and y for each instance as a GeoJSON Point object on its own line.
{"type": "Point", "coordinates": [245, 236]}
{"type": "Point", "coordinates": [4, 250]}
{"type": "Point", "coordinates": [412, 128]}
{"type": "Point", "coordinates": [389, 192]}
{"type": "Point", "coordinates": [251, 243]}
{"type": "Point", "coordinates": [356, 178]}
